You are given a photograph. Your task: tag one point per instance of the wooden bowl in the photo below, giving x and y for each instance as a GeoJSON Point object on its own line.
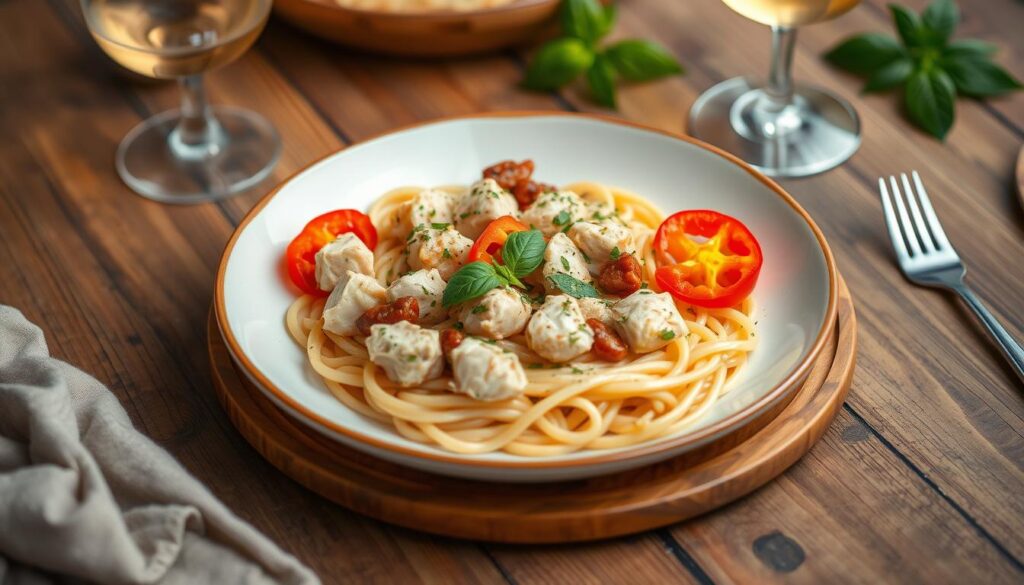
{"type": "Point", "coordinates": [422, 34]}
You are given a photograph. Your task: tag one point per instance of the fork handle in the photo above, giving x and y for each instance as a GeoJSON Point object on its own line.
{"type": "Point", "coordinates": [1011, 349]}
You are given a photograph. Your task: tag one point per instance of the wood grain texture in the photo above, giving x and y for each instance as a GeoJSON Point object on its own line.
{"type": "Point", "coordinates": [604, 507]}
{"type": "Point", "coordinates": [918, 481]}
{"type": "Point", "coordinates": [932, 382]}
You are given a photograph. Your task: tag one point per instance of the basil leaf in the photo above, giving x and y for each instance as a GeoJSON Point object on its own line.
{"type": "Point", "coordinates": [940, 19]}
{"type": "Point", "coordinates": [610, 13]}
{"type": "Point", "coordinates": [640, 60]}
{"type": "Point", "coordinates": [979, 77]}
{"type": "Point", "coordinates": [908, 24]}
{"type": "Point", "coordinates": [562, 218]}
{"type": "Point", "coordinates": [601, 81]}
{"type": "Point", "coordinates": [583, 19]}
{"type": "Point", "coordinates": [557, 63]}
{"type": "Point", "coordinates": [890, 75]}
{"type": "Point", "coordinates": [506, 276]}
{"type": "Point", "coordinates": [573, 286]}
{"type": "Point", "coordinates": [929, 99]}
{"type": "Point", "coordinates": [471, 281]}
{"type": "Point", "coordinates": [523, 252]}
{"type": "Point", "coordinates": [865, 53]}
{"type": "Point", "coordinates": [968, 48]}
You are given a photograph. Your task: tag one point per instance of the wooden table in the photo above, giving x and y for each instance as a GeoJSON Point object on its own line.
{"type": "Point", "coordinates": [919, 480]}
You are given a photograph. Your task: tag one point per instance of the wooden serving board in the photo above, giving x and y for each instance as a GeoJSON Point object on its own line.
{"type": "Point", "coordinates": [602, 507]}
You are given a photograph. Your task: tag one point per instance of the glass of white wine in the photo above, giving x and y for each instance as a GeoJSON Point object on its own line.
{"type": "Point", "coordinates": [782, 129]}
{"type": "Point", "coordinates": [200, 152]}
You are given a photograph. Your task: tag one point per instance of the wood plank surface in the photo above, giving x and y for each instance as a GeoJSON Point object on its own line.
{"type": "Point", "coordinates": [932, 384]}
{"type": "Point", "coordinates": [919, 481]}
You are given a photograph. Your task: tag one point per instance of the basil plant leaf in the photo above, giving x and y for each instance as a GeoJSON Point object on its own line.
{"type": "Point", "coordinates": [584, 20]}
{"type": "Point", "coordinates": [908, 24]}
{"type": "Point", "coordinates": [641, 60]}
{"type": "Point", "coordinates": [865, 53]}
{"type": "Point", "coordinates": [471, 281]}
{"type": "Point", "coordinates": [574, 287]}
{"type": "Point", "coordinates": [940, 19]}
{"type": "Point", "coordinates": [890, 75]}
{"type": "Point", "coordinates": [523, 252]}
{"type": "Point", "coordinates": [601, 81]}
{"type": "Point", "coordinates": [968, 48]}
{"type": "Point", "coordinates": [610, 13]}
{"type": "Point", "coordinates": [557, 63]}
{"type": "Point", "coordinates": [979, 77]}
{"type": "Point", "coordinates": [929, 99]}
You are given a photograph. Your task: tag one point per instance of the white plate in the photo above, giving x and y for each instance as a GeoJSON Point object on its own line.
{"type": "Point", "coordinates": [795, 296]}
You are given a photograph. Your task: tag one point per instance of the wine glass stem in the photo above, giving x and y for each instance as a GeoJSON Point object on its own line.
{"type": "Point", "coordinates": [778, 93]}
{"type": "Point", "coordinates": [198, 134]}
{"type": "Point", "coordinates": [770, 113]}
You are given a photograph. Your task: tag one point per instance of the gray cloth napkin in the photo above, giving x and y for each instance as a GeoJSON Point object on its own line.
{"type": "Point", "coordinates": [83, 495]}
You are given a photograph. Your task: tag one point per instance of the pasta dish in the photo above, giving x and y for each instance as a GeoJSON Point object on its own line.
{"type": "Point", "coordinates": [511, 315]}
{"type": "Point", "coordinates": [421, 5]}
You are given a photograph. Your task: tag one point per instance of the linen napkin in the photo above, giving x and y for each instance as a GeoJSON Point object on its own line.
{"type": "Point", "coordinates": [83, 495]}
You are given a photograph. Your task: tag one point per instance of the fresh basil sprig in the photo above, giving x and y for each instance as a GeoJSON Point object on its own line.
{"type": "Point", "coordinates": [521, 254]}
{"type": "Point", "coordinates": [469, 282]}
{"type": "Point", "coordinates": [584, 24]}
{"type": "Point", "coordinates": [573, 286]}
{"type": "Point", "coordinates": [931, 69]}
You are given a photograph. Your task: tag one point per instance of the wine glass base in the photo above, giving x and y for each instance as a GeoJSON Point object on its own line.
{"type": "Point", "coordinates": [827, 132]}
{"type": "Point", "coordinates": [247, 151]}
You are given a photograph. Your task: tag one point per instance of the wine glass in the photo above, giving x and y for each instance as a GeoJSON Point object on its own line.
{"type": "Point", "coordinates": [781, 129]}
{"type": "Point", "coordinates": [198, 153]}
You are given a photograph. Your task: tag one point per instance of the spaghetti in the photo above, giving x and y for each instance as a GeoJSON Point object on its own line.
{"type": "Point", "coordinates": [588, 404]}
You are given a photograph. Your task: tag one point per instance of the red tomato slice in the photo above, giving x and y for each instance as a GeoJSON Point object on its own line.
{"type": "Point", "coordinates": [706, 258]}
{"type": "Point", "coordinates": [321, 230]}
{"type": "Point", "coordinates": [489, 244]}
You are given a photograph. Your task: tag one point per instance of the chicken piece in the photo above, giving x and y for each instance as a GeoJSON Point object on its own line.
{"type": "Point", "coordinates": [557, 331]}
{"type": "Point", "coordinates": [430, 206]}
{"type": "Point", "coordinates": [500, 313]}
{"type": "Point", "coordinates": [599, 309]}
{"type": "Point", "coordinates": [427, 287]}
{"type": "Point", "coordinates": [598, 212]}
{"type": "Point", "coordinates": [648, 320]}
{"type": "Point", "coordinates": [601, 242]}
{"type": "Point", "coordinates": [444, 249]}
{"type": "Point", "coordinates": [563, 257]}
{"type": "Point", "coordinates": [554, 211]}
{"type": "Point", "coordinates": [346, 253]}
{"type": "Point", "coordinates": [485, 371]}
{"type": "Point", "coordinates": [408, 353]}
{"type": "Point", "coordinates": [485, 202]}
{"type": "Point", "coordinates": [347, 303]}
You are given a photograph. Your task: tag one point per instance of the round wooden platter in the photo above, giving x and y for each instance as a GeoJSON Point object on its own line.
{"type": "Point", "coordinates": [602, 507]}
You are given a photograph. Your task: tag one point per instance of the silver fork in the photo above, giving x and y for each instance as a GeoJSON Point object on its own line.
{"type": "Point", "coordinates": [926, 257]}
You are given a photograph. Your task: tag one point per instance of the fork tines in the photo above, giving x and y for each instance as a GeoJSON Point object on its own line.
{"type": "Point", "coordinates": [916, 234]}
